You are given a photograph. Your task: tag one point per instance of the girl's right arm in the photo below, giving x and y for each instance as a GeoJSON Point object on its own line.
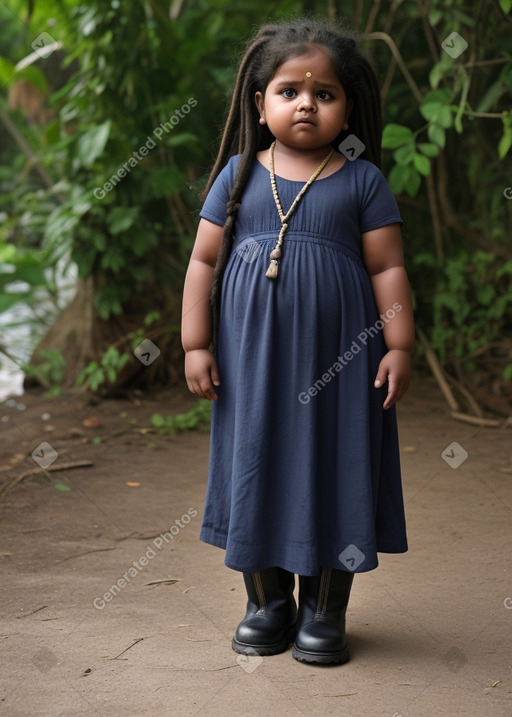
{"type": "Point", "coordinates": [196, 326]}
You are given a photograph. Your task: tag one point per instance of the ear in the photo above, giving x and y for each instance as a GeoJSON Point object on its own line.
{"type": "Point", "coordinates": [260, 104]}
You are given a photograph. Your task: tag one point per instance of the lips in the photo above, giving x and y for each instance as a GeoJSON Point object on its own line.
{"type": "Point", "coordinates": [305, 120]}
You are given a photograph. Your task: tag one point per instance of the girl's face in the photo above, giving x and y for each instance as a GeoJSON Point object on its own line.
{"type": "Point", "coordinates": [305, 105]}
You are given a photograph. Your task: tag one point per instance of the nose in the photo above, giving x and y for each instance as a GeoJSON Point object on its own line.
{"type": "Point", "coordinates": [306, 103]}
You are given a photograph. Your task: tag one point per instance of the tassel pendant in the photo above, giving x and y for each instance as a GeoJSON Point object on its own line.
{"type": "Point", "coordinates": [272, 269]}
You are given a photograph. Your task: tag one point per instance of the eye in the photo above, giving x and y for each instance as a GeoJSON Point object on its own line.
{"type": "Point", "coordinates": [289, 94]}
{"type": "Point", "coordinates": [324, 95]}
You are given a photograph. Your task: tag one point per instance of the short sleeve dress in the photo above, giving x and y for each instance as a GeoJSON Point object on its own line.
{"type": "Point", "coordinates": [304, 468]}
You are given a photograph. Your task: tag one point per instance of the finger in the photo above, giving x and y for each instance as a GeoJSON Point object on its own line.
{"type": "Point", "coordinates": [381, 377]}
{"type": "Point", "coordinates": [215, 375]}
{"type": "Point", "coordinates": [207, 389]}
{"type": "Point", "coordinates": [392, 396]}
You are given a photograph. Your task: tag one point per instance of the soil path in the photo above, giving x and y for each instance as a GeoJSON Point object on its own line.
{"type": "Point", "coordinates": [112, 606]}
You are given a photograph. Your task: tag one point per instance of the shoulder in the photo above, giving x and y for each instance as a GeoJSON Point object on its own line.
{"type": "Point", "coordinates": [230, 169]}
{"type": "Point", "coordinates": [214, 206]}
{"type": "Point", "coordinates": [368, 179]}
{"type": "Point", "coordinates": [365, 170]}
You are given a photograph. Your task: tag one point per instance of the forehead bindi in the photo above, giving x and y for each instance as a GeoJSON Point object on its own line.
{"type": "Point", "coordinates": [314, 66]}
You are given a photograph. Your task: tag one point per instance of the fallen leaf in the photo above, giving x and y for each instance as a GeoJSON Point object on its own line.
{"type": "Point", "coordinates": [91, 422]}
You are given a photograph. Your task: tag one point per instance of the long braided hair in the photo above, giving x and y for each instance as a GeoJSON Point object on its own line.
{"type": "Point", "coordinates": [270, 47]}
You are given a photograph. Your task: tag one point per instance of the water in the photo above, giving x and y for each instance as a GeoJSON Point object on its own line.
{"type": "Point", "coordinates": [21, 327]}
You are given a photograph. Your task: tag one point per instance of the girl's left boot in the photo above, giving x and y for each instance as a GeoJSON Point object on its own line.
{"type": "Point", "coordinates": [269, 623]}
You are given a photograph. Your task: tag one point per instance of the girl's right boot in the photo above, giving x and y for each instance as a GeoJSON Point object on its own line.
{"type": "Point", "coordinates": [323, 601]}
{"type": "Point", "coordinates": [269, 623]}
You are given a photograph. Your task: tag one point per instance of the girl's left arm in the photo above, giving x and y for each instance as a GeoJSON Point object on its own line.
{"type": "Point", "coordinates": [384, 261]}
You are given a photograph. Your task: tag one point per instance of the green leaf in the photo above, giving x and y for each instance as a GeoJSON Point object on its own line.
{"type": "Point", "coordinates": [429, 110]}
{"type": "Point", "coordinates": [396, 178]}
{"type": "Point", "coordinates": [437, 113]}
{"type": "Point", "coordinates": [92, 143]}
{"type": "Point", "coordinates": [437, 135]}
{"type": "Point", "coordinates": [505, 142]}
{"type": "Point", "coordinates": [440, 70]}
{"type": "Point", "coordinates": [442, 96]}
{"type": "Point", "coordinates": [176, 140]}
{"type": "Point", "coordinates": [413, 182]}
{"type": "Point", "coordinates": [445, 117]}
{"type": "Point", "coordinates": [403, 177]}
{"type": "Point", "coordinates": [119, 219]}
{"type": "Point", "coordinates": [7, 71]}
{"type": "Point", "coordinates": [404, 154]}
{"type": "Point", "coordinates": [422, 164]}
{"type": "Point", "coordinates": [506, 6]}
{"type": "Point", "coordinates": [434, 16]}
{"type": "Point", "coordinates": [429, 150]}
{"type": "Point", "coordinates": [35, 76]}
{"type": "Point", "coordinates": [394, 135]}
{"type": "Point", "coordinates": [486, 294]}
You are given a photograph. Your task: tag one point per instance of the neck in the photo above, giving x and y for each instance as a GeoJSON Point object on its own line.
{"type": "Point", "coordinates": [312, 156]}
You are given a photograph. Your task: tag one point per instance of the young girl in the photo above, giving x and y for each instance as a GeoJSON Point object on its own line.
{"type": "Point", "coordinates": [299, 250]}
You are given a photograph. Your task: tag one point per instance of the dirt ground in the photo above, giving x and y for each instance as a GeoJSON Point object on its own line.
{"type": "Point", "coordinates": [112, 606]}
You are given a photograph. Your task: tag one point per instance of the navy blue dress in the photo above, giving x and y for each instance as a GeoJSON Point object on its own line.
{"type": "Point", "coordinates": [304, 463]}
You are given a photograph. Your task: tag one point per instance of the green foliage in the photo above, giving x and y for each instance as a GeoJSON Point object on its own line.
{"type": "Point", "coordinates": [48, 370]}
{"type": "Point", "coordinates": [180, 422]}
{"type": "Point", "coordinates": [471, 305]}
{"type": "Point", "coordinates": [98, 373]}
{"type": "Point", "coordinates": [134, 104]}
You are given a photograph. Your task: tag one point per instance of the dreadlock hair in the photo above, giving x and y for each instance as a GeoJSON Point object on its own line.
{"type": "Point", "coordinates": [271, 47]}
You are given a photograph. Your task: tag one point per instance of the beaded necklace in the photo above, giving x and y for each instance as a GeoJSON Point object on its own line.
{"type": "Point", "coordinates": [275, 254]}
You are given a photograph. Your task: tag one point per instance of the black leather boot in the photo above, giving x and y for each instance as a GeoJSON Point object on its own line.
{"type": "Point", "coordinates": [269, 624]}
{"type": "Point", "coordinates": [323, 601]}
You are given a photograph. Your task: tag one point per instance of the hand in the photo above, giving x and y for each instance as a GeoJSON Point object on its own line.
{"type": "Point", "coordinates": [395, 368]}
{"type": "Point", "coordinates": [201, 373]}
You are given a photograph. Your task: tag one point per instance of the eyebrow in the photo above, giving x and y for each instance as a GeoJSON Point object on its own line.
{"type": "Point", "coordinates": [287, 83]}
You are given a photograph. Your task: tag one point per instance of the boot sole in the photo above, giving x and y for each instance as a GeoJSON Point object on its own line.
{"type": "Point", "coordinates": [336, 658]}
{"type": "Point", "coordinates": [264, 650]}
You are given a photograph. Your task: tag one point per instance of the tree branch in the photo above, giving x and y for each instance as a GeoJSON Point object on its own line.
{"type": "Point", "coordinates": [399, 61]}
